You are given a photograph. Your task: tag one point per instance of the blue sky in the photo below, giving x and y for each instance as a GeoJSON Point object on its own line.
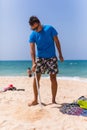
{"type": "Point", "coordinates": [69, 17]}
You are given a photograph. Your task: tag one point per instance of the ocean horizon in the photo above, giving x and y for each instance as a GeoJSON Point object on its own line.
{"type": "Point", "coordinates": [67, 69]}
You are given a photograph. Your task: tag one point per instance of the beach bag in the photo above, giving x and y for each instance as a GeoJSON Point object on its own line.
{"type": "Point", "coordinates": [82, 103]}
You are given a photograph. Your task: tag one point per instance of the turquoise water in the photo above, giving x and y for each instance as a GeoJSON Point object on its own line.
{"type": "Point", "coordinates": [14, 68]}
{"type": "Point", "coordinates": [69, 68]}
{"type": "Point", "coordinates": [73, 68]}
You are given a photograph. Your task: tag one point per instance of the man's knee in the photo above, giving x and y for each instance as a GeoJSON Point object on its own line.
{"type": "Point", "coordinates": [53, 77]}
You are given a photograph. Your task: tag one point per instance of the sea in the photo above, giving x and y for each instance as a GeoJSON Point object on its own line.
{"type": "Point", "coordinates": [67, 69]}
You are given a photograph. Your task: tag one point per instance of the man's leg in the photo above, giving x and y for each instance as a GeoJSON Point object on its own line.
{"type": "Point", "coordinates": [35, 101]}
{"type": "Point", "coordinates": [53, 86]}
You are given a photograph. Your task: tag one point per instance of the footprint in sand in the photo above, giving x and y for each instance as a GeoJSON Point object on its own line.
{"type": "Point", "coordinates": [31, 114]}
{"type": "Point", "coordinates": [2, 123]}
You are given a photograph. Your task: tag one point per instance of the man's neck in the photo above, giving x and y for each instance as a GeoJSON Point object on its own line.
{"type": "Point", "coordinates": [40, 28]}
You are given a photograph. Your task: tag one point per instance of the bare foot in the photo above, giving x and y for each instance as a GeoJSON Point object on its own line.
{"type": "Point", "coordinates": [33, 103]}
{"type": "Point", "coordinates": [54, 102]}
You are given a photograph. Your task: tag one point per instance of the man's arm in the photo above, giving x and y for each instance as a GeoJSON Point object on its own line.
{"type": "Point", "coordinates": [33, 56]}
{"type": "Point", "coordinates": [57, 42]}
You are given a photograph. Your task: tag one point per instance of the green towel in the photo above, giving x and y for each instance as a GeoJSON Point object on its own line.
{"type": "Point", "coordinates": [82, 103]}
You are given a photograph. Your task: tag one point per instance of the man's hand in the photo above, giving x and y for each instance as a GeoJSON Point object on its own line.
{"type": "Point", "coordinates": [33, 67]}
{"type": "Point", "coordinates": [61, 58]}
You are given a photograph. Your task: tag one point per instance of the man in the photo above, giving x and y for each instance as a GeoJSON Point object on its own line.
{"type": "Point", "coordinates": [45, 38]}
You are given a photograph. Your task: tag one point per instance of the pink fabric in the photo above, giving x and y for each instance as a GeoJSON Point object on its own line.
{"type": "Point", "coordinates": [8, 87]}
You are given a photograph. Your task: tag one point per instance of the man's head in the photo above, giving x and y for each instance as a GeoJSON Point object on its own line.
{"type": "Point", "coordinates": [34, 22]}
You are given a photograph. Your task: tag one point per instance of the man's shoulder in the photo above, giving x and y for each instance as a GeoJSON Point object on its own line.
{"type": "Point", "coordinates": [32, 37]}
{"type": "Point", "coordinates": [50, 29]}
{"type": "Point", "coordinates": [47, 26]}
{"type": "Point", "coordinates": [32, 33]}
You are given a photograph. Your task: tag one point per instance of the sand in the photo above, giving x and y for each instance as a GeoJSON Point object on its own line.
{"type": "Point", "coordinates": [15, 114]}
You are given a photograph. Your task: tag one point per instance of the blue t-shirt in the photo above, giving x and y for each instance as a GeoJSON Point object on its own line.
{"type": "Point", "coordinates": [44, 41]}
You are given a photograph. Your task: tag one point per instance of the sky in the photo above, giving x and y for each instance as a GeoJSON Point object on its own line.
{"type": "Point", "coordinates": [68, 17]}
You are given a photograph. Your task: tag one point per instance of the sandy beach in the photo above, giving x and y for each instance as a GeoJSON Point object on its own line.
{"type": "Point", "coordinates": [15, 114]}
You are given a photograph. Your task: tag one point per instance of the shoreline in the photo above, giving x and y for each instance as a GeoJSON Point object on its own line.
{"type": "Point", "coordinates": [46, 77]}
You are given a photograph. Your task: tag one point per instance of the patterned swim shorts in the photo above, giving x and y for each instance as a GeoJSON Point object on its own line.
{"type": "Point", "coordinates": [49, 65]}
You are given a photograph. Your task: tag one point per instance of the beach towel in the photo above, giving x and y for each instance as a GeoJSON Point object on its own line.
{"type": "Point", "coordinates": [71, 109]}
{"type": "Point", "coordinates": [79, 107]}
{"type": "Point", "coordinates": [84, 112]}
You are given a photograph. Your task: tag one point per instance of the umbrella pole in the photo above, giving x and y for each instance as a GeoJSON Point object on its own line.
{"type": "Point", "coordinates": [38, 89]}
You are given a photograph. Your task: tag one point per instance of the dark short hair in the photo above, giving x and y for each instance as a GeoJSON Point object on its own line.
{"type": "Point", "coordinates": [33, 19]}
